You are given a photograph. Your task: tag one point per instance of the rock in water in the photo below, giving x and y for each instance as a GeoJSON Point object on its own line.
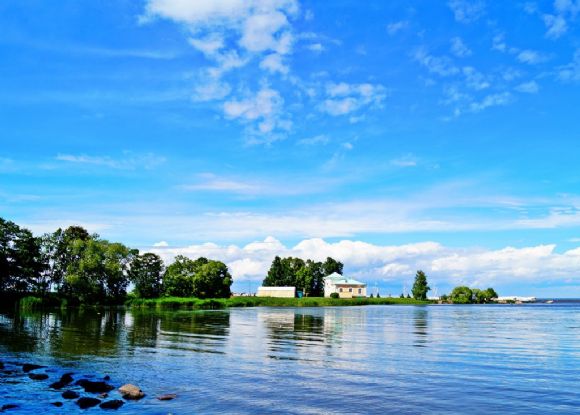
{"type": "Point", "coordinates": [94, 387]}
{"type": "Point", "coordinates": [1, 365]}
{"type": "Point", "coordinates": [129, 391]}
{"type": "Point", "coordinates": [28, 367]}
{"type": "Point", "coordinates": [38, 376]}
{"type": "Point", "coordinates": [66, 378]}
{"type": "Point", "coordinates": [70, 395]}
{"type": "Point", "coordinates": [57, 404]}
{"type": "Point", "coordinates": [85, 403]}
{"type": "Point", "coordinates": [8, 406]}
{"type": "Point", "coordinates": [115, 404]}
{"type": "Point", "coordinates": [167, 397]}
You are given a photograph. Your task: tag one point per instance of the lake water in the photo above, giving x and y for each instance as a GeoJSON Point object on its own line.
{"type": "Point", "coordinates": [343, 360]}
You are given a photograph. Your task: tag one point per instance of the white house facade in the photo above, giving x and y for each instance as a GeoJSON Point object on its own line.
{"type": "Point", "coordinates": [343, 286]}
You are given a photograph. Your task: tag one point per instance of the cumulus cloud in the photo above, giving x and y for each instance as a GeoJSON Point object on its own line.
{"type": "Point", "coordinates": [492, 100]}
{"type": "Point", "coordinates": [373, 262]}
{"type": "Point", "coordinates": [265, 107]}
{"type": "Point", "coordinates": [571, 71]}
{"type": "Point", "coordinates": [343, 98]}
{"type": "Point", "coordinates": [459, 49]}
{"type": "Point", "coordinates": [531, 57]}
{"type": "Point", "coordinates": [440, 65]}
{"type": "Point", "coordinates": [467, 11]}
{"type": "Point", "coordinates": [528, 87]}
{"type": "Point", "coordinates": [395, 27]}
{"type": "Point", "coordinates": [232, 34]}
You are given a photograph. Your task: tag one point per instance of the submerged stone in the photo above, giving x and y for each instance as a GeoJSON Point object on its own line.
{"type": "Point", "coordinates": [85, 403]}
{"type": "Point", "coordinates": [8, 406]}
{"type": "Point", "coordinates": [57, 404]}
{"type": "Point", "coordinates": [70, 395]}
{"type": "Point", "coordinates": [38, 376]}
{"type": "Point", "coordinates": [167, 397]}
{"type": "Point", "coordinates": [94, 387]}
{"type": "Point", "coordinates": [28, 367]}
{"type": "Point", "coordinates": [114, 404]}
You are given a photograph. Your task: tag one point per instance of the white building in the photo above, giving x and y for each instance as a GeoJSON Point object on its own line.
{"type": "Point", "coordinates": [343, 286]}
{"type": "Point", "coordinates": [280, 292]}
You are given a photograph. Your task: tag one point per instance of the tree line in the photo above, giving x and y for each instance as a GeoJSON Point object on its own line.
{"type": "Point", "coordinates": [459, 295]}
{"type": "Point", "coordinates": [307, 276]}
{"type": "Point", "coordinates": [86, 269]}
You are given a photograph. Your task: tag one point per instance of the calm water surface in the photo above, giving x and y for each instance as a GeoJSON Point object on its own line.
{"type": "Point", "coordinates": [373, 359]}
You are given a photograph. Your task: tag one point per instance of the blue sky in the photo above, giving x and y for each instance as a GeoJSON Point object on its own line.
{"type": "Point", "coordinates": [434, 135]}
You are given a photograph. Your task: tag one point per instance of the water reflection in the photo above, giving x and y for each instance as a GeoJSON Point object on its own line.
{"type": "Point", "coordinates": [308, 360]}
{"type": "Point", "coordinates": [421, 324]}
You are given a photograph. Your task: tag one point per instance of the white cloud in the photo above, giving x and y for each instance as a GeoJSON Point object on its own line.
{"type": "Point", "coordinates": [395, 27]}
{"type": "Point", "coordinates": [405, 161]}
{"type": "Point", "coordinates": [161, 244]}
{"type": "Point", "coordinates": [474, 79]}
{"type": "Point", "coordinates": [528, 87]}
{"type": "Point", "coordinates": [265, 107]}
{"type": "Point", "coordinates": [440, 65]}
{"type": "Point", "coordinates": [493, 100]}
{"type": "Point", "coordinates": [556, 26]}
{"type": "Point", "coordinates": [467, 11]}
{"type": "Point", "coordinates": [571, 72]}
{"type": "Point", "coordinates": [343, 98]}
{"type": "Point", "coordinates": [316, 47]}
{"type": "Point", "coordinates": [531, 57]}
{"type": "Point", "coordinates": [459, 49]}
{"type": "Point", "coordinates": [319, 139]}
{"type": "Point", "coordinates": [274, 63]}
{"type": "Point", "coordinates": [444, 265]}
{"type": "Point", "coordinates": [128, 161]}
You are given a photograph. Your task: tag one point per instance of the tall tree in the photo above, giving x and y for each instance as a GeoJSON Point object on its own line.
{"type": "Point", "coordinates": [145, 273]}
{"type": "Point", "coordinates": [178, 277]}
{"type": "Point", "coordinates": [212, 280]}
{"type": "Point", "coordinates": [331, 266]}
{"type": "Point", "coordinates": [420, 287]}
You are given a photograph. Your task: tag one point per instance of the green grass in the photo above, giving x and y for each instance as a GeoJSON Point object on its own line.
{"type": "Point", "coordinates": [217, 303]}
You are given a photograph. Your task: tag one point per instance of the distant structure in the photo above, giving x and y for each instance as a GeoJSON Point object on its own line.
{"type": "Point", "coordinates": [515, 299]}
{"type": "Point", "coordinates": [280, 292]}
{"type": "Point", "coordinates": [343, 286]}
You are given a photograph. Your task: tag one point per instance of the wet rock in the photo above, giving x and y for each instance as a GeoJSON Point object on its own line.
{"type": "Point", "coordinates": [107, 378]}
{"type": "Point", "coordinates": [38, 376]}
{"type": "Point", "coordinates": [70, 395]}
{"type": "Point", "coordinates": [65, 380]}
{"type": "Point", "coordinates": [57, 404]}
{"type": "Point", "coordinates": [129, 391]}
{"type": "Point", "coordinates": [28, 367]}
{"type": "Point", "coordinates": [85, 403]}
{"type": "Point", "coordinates": [1, 365]}
{"type": "Point", "coordinates": [167, 397]}
{"type": "Point", "coordinates": [8, 406]}
{"type": "Point", "coordinates": [114, 404]}
{"type": "Point", "coordinates": [94, 387]}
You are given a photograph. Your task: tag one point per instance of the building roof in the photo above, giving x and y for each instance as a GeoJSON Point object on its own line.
{"type": "Point", "coordinates": [338, 279]}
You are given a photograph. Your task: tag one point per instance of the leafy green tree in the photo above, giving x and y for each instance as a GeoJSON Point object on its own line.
{"type": "Point", "coordinates": [212, 280]}
{"type": "Point", "coordinates": [420, 287]}
{"type": "Point", "coordinates": [483, 296]}
{"type": "Point", "coordinates": [178, 277]}
{"type": "Point", "coordinates": [331, 265]}
{"type": "Point", "coordinates": [145, 273]}
{"type": "Point", "coordinates": [20, 259]}
{"type": "Point", "coordinates": [461, 295]}
{"type": "Point", "coordinates": [490, 294]}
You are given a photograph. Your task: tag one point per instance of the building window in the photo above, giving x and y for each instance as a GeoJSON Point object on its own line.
{"type": "Point", "coordinates": [340, 289]}
{"type": "Point", "coordinates": [360, 290]}
{"type": "Point", "coordinates": [350, 290]}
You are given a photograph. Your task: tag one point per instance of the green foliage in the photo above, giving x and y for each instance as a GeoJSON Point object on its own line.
{"type": "Point", "coordinates": [461, 295]}
{"type": "Point", "coordinates": [420, 287]}
{"type": "Point", "coordinates": [335, 295]}
{"type": "Point", "coordinates": [200, 278]}
{"type": "Point", "coordinates": [20, 259]}
{"type": "Point", "coordinates": [145, 273]}
{"type": "Point", "coordinates": [307, 276]}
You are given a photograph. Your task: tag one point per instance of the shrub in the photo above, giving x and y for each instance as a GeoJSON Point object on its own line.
{"type": "Point", "coordinates": [334, 295]}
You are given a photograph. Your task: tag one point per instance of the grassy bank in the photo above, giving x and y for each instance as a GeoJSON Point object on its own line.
{"type": "Point", "coordinates": [217, 303]}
